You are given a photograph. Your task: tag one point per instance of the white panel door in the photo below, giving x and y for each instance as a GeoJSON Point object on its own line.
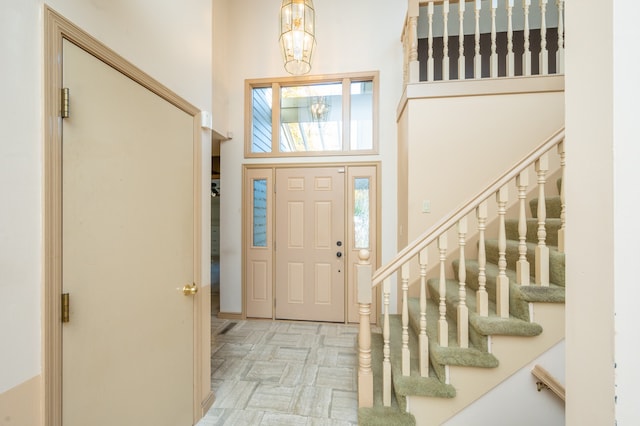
{"type": "Point", "coordinates": [310, 233]}
{"type": "Point", "coordinates": [128, 249]}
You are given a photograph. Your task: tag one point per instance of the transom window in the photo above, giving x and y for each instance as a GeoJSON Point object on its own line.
{"type": "Point", "coordinates": [298, 117]}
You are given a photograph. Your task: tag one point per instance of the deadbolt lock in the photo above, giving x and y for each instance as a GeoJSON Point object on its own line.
{"type": "Point", "coordinates": [190, 290]}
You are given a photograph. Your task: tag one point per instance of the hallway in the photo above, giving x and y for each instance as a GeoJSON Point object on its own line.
{"type": "Point", "coordinates": [282, 373]}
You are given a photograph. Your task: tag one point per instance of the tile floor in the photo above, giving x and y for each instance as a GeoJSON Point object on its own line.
{"type": "Point", "coordinates": [282, 373]}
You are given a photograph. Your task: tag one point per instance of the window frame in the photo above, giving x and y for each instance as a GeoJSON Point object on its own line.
{"type": "Point", "coordinates": [277, 83]}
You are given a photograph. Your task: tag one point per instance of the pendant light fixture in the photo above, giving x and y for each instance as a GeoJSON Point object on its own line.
{"type": "Point", "coordinates": [297, 35]}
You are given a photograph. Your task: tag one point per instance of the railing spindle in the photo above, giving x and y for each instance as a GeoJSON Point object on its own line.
{"type": "Point", "coordinates": [423, 339]}
{"type": "Point", "coordinates": [494, 48]}
{"type": "Point", "coordinates": [445, 39]}
{"type": "Point", "coordinates": [563, 162]}
{"type": "Point", "coordinates": [386, 349]}
{"type": "Point", "coordinates": [502, 281]}
{"type": "Point", "coordinates": [461, 59]}
{"type": "Point", "coordinates": [406, 355]}
{"type": "Point", "coordinates": [544, 53]}
{"type": "Point", "coordinates": [463, 310]}
{"type": "Point", "coordinates": [510, 56]}
{"type": "Point", "coordinates": [522, 266]}
{"type": "Point", "coordinates": [365, 373]}
{"type": "Point", "coordinates": [430, 66]}
{"type": "Point", "coordinates": [542, 251]}
{"type": "Point", "coordinates": [526, 56]}
{"type": "Point", "coordinates": [414, 65]}
{"type": "Point", "coordinates": [477, 59]}
{"type": "Point", "coordinates": [560, 52]}
{"type": "Point", "coordinates": [482, 297]}
{"type": "Point", "coordinates": [443, 327]}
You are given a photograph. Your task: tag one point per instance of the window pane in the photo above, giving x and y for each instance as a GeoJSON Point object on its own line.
{"type": "Point", "coordinates": [361, 213]}
{"type": "Point", "coordinates": [311, 118]}
{"type": "Point", "coordinates": [361, 115]}
{"type": "Point", "coordinates": [261, 122]}
{"type": "Point", "coordinates": [260, 213]}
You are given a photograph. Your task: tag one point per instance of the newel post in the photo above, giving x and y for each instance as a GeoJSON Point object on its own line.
{"type": "Point", "coordinates": [365, 374]}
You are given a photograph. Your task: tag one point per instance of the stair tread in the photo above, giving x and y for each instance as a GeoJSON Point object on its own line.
{"type": "Point", "coordinates": [453, 354]}
{"type": "Point", "coordinates": [489, 325]}
{"type": "Point", "coordinates": [414, 384]}
{"type": "Point", "coordinates": [554, 293]}
{"type": "Point", "coordinates": [379, 415]}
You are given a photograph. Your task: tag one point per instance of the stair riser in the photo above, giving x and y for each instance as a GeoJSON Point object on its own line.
{"type": "Point", "coordinates": [553, 206]}
{"type": "Point", "coordinates": [551, 226]}
{"type": "Point", "coordinates": [556, 260]}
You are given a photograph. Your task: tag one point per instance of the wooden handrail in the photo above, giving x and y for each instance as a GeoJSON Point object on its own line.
{"type": "Point", "coordinates": [431, 234]}
{"type": "Point", "coordinates": [547, 380]}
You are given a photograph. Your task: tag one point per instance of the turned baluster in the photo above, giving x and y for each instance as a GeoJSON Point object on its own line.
{"type": "Point", "coordinates": [494, 48]}
{"type": "Point", "coordinates": [461, 59]}
{"type": "Point", "coordinates": [510, 56]}
{"type": "Point", "coordinates": [445, 39]}
{"type": "Point", "coordinates": [563, 162]}
{"type": "Point", "coordinates": [482, 297]}
{"type": "Point", "coordinates": [463, 310]}
{"type": "Point", "coordinates": [560, 52]}
{"type": "Point", "coordinates": [544, 53]}
{"type": "Point", "coordinates": [423, 340]}
{"type": "Point", "coordinates": [414, 65]}
{"type": "Point", "coordinates": [542, 251]}
{"type": "Point", "coordinates": [522, 266]}
{"type": "Point", "coordinates": [430, 67]}
{"type": "Point", "coordinates": [526, 56]}
{"type": "Point", "coordinates": [477, 59]}
{"type": "Point", "coordinates": [502, 281]}
{"type": "Point", "coordinates": [365, 373]}
{"type": "Point", "coordinates": [386, 349]}
{"type": "Point", "coordinates": [405, 64]}
{"type": "Point", "coordinates": [443, 327]}
{"type": "Point", "coordinates": [406, 355]}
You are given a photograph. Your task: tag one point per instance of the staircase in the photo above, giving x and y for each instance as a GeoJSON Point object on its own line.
{"type": "Point", "coordinates": [476, 321]}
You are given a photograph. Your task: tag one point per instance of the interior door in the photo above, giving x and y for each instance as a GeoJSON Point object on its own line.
{"type": "Point", "coordinates": [128, 250]}
{"type": "Point", "coordinates": [309, 250]}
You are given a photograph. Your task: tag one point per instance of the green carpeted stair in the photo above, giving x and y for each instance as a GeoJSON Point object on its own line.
{"type": "Point", "coordinates": [476, 355]}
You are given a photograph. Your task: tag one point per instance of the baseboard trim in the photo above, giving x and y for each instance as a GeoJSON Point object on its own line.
{"type": "Point", "coordinates": [230, 315]}
{"type": "Point", "coordinates": [207, 403]}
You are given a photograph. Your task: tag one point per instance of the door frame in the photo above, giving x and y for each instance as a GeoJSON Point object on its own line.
{"type": "Point", "coordinates": [57, 28]}
{"type": "Point", "coordinates": [246, 231]}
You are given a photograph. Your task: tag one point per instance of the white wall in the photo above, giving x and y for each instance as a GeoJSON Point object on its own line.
{"type": "Point", "coordinates": [351, 36]}
{"type": "Point", "coordinates": [530, 408]}
{"type": "Point", "coordinates": [171, 41]}
{"type": "Point", "coordinates": [626, 152]}
{"type": "Point", "coordinates": [590, 277]}
{"type": "Point", "coordinates": [21, 187]}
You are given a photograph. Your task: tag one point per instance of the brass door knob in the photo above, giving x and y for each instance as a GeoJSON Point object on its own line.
{"type": "Point", "coordinates": [190, 290]}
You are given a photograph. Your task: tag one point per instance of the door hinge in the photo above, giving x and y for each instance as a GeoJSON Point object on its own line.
{"type": "Point", "coordinates": [65, 307]}
{"type": "Point", "coordinates": [64, 103]}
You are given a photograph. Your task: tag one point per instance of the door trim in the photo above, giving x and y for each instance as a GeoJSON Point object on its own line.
{"type": "Point", "coordinates": [57, 28]}
{"type": "Point", "coordinates": [246, 231]}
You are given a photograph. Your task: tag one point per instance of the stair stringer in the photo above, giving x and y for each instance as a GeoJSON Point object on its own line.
{"type": "Point", "coordinates": [513, 353]}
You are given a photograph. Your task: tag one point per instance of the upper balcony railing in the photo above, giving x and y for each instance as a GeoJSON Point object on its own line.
{"type": "Point", "coordinates": [458, 40]}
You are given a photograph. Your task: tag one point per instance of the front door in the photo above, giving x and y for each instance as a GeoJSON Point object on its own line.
{"type": "Point", "coordinates": [128, 250]}
{"type": "Point", "coordinates": [309, 251]}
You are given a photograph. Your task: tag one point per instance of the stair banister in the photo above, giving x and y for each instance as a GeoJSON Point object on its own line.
{"type": "Point", "coordinates": [367, 280]}
{"type": "Point", "coordinates": [431, 234]}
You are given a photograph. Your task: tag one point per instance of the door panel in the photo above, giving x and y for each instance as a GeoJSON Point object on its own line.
{"type": "Point", "coordinates": [309, 224]}
{"type": "Point", "coordinates": [128, 248]}
{"type": "Point", "coordinates": [259, 243]}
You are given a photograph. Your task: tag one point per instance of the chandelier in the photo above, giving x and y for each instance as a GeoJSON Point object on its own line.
{"type": "Point", "coordinates": [297, 35]}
